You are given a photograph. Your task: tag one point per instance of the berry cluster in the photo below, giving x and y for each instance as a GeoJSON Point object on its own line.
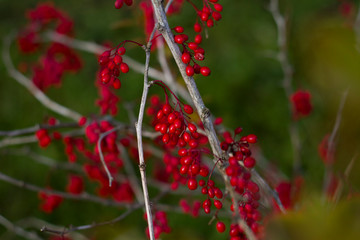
{"type": "Point", "coordinates": [112, 64]}
{"type": "Point", "coordinates": [191, 52]}
{"type": "Point", "coordinates": [193, 210]}
{"type": "Point", "coordinates": [238, 170]}
{"type": "Point", "coordinates": [209, 14]}
{"type": "Point", "coordinates": [43, 137]}
{"type": "Point", "coordinates": [58, 58]}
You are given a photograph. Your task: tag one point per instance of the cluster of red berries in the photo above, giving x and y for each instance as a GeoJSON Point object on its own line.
{"type": "Point", "coordinates": [112, 64]}
{"type": "Point", "coordinates": [120, 3]}
{"type": "Point", "coordinates": [70, 143]}
{"type": "Point", "coordinates": [238, 170]}
{"type": "Point", "coordinates": [160, 223]}
{"type": "Point", "coordinates": [43, 137]}
{"type": "Point", "coordinates": [191, 52]}
{"type": "Point", "coordinates": [209, 189]}
{"type": "Point", "coordinates": [208, 15]}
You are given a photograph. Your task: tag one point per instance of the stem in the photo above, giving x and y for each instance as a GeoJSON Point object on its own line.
{"type": "Point", "coordinates": [138, 126]}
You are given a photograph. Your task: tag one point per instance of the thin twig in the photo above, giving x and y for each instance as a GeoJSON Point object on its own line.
{"type": "Point", "coordinates": [33, 129]}
{"type": "Point", "coordinates": [27, 83]}
{"type": "Point", "coordinates": [18, 230]}
{"type": "Point", "coordinates": [102, 136]}
{"type": "Point", "coordinates": [17, 141]}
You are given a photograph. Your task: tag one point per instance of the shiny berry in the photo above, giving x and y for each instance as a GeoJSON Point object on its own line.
{"type": "Point", "coordinates": [220, 227]}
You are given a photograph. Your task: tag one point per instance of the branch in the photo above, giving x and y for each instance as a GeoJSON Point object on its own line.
{"type": "Point", "coordinates": [138, 126]}
{"type": "Point", "coordinates": [33, 129]}
{"type": "Point", "coordinates": [83, 196]}
{"type": "Point", "coordinates": [27, 83]}
{"type": "Point", "coordinates": [92, 225]}
{"type": "Point", "coordinates": [18, 230]}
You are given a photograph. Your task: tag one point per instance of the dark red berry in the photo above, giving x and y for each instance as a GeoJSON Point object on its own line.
{"type": "Point", "coordinates": [192, 184]}
{"type": "Point", "coordinates": [188, 109]}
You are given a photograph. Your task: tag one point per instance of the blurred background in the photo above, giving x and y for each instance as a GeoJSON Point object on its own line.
{"type": "Point", "coordinates": [245, 89]}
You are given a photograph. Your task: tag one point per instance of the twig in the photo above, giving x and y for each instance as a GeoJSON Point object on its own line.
{"type": "Point", "coordinates": [17, 141]}
{"type": "Point", "coordinates": [64, 231]}
{"type": "Point", "coordinates": [36, 92]}
{"type": "Point", "coordinates": [18, 230]}
{"type": "Point", "coordinates": [98, 49]}
{"type": "Point", "coordinates": [283, 58]}
{"type": "Point", "coordinates": [331, 143]}
{"type": "Point", "coordinates": [83, 196]}
{"type": "Point", "coordinates": [102, 136]}
{"type": "Point", "coordinates": [33, 129]}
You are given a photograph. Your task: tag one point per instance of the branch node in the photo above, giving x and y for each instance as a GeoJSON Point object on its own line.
{"type": "Point", "coordinates": [205, 113]}
{"type": "Point", "coordinates": [161, 27]}
{"type": "Point", "coordinates": [142, 166]}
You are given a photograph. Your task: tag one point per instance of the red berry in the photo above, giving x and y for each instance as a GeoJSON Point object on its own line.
{"type": "Point", "coordinates": [204, 172]}
{"type": "Point", "coordinates": [189, 71]}
{"type": "Point", "coordinates": [197, 27]}
{"type": "Point", "coordinates": [198, 39]}
{"type": "Point", "coordinates": [186, 57]}
{"type": "Point", "coordinates": [218, 7]}
{"type": "Point", "coordinates": [121, 51]}
{"type": "Point", "coordinates": [217, 204]}
{"type": "Point", "coordinates": [205, 71]}
{"type": "Point", "coordinates": [124, 67]}
{"type": "Point", "coordinates": [251, 138]}
{"type": "Point", "coordinates": [182, 152]}
{"type": "Point", "coordinates": [118, 59]}
{"type": "Point", "coordinates": [82, 121]}
{"type": "Point", "coordinates": [220, 227]}
{"type": "Point", "coordinates": [188, 109]}
{"type": "Point", "coordinates": [193, 143]}
{"type": "Point", "coordinates": [119, 4]}
{"type": "Point", "coordinates": [192, 184]}
{"type": "Point", "coordinates": [216, 16]}
{"type": "Point", "coordinates": [179, 29]}
{"type": "Point", "coordinates": [238, 130]}
{"type": "Point", "coordinates": [192, 45]}
{"type": "Point", "coordinates": [249, 162]}
{"type": "Point", "coordinates": [166, 109]}
{"type": "Point", "coordinates": [192, 127]}
{"type": "Point", "coordinates": [116, 83]}
{"type": "Point", "coordinates": [210, 23]}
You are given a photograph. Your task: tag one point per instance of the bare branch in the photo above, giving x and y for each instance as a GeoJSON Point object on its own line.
{"type": "Point", "coordinates": [36, 92]}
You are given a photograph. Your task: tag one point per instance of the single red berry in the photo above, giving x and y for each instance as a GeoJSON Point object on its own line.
{"type": "Point", "coordinates": [198, 39]}
{"type": "Point", "coordinates": [177, 123]}
{"type": "Point", "coordinates": [216, 16]}
{"type": "Point", "coordinates": [204, 171]}
{"type": "Point", "coordinates": [166, 109]}
{"type": "Point", "coordinates": [220, 227]}
{"type": "Point", "coordinates": [118, 59]}
{"type": "Point", "coordinates": [119, 4]}
{"type": "Point", "coordinates": [210, 23]}
{"type": "Point", "coordinates": [218, 7]}
{"type": "Point", "coordinates": [204, 16]}
{"type": "Point", "coordinates": [193, 143]}
{"type": "Point", "coordinates": [218, 204]}
{"type": "Point", "coordinates": [166, 138]}
{"type": "Point", "coordinates": [171, 118]}
{"type": "Point", "coordinates": [189, 71]}
{"type": "Point", "coordinates": [82, 121]}
{"type": "Point", "coordinates": [192, 127]}
{"type": "Point", "coordinates": [186, 136]}
{"type": "Point", "coordinates": [251, 138]}
{"type": "Point", "coordinates": [196, 68]}
{"type": "Point", "coordinates": [197, 27]}
{"type": "Point", "coordinates": [192, 184]}
{"type": "Point", "coordinates": [238, 130]}
{"type": "Point", "coordinates": [121, 51]}
{"type": "Point", "coordinates": [192, 45]}
{"type": "Point", "coordinates": [124, 67]}
{"type": "Point", "coordinates": [179, 29]}
{"type": "Point", "coordinates": [205, 71]}
{"type": "Point", "coordinates": [249, 162]}
{"type": "Point", "coordinates": [185, 57]}
{"type": "Point", "coordinates": [182, 152]}
{"type": "Point", "coordinates": [188, 109]}
{"type": "Point", "coordinates": [116, 83]}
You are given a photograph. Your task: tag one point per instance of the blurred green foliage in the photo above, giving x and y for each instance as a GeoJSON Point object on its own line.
{"type": "Point", "coordinates": [245, 88]}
